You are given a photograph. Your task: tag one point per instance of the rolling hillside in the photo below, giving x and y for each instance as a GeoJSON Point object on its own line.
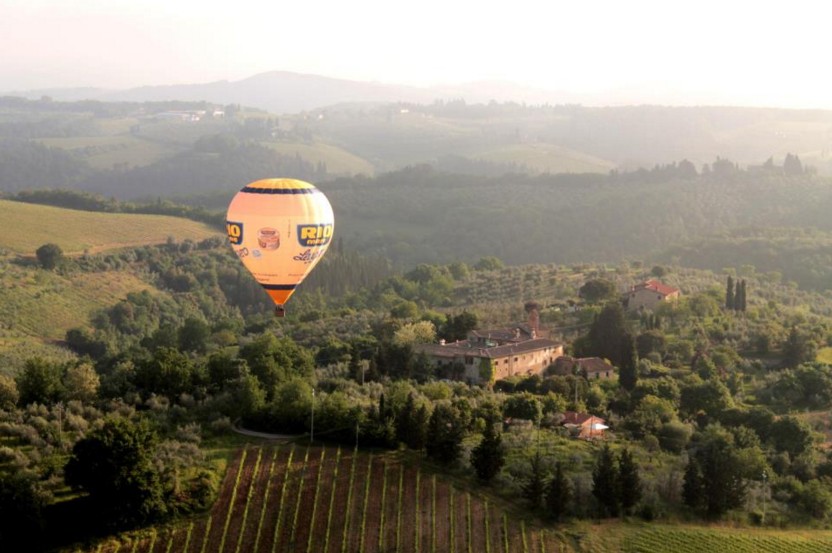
{"type": "Point", "coordinates": [26, 227]}
{"type": "Point", "coordinates": [37, 307]}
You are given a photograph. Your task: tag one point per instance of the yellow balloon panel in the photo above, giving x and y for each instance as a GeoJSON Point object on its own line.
{"type": "Point", "coordinates": [280, 229]}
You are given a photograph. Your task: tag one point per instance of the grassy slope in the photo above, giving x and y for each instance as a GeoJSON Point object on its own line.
{"type": "Point", "coordinates": [543, 157]}
{"type": "Point", "coordinates": [26, 227]}
{"type": "Point", "coordinates": [104, 152]}
{"type": "Point", "coordinates": [37, 307]}
{"type": "Point", "coordinates": [338, 161]}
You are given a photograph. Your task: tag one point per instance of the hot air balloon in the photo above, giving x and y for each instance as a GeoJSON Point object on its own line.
{"type": "Point", "coordinates": [280, 229]}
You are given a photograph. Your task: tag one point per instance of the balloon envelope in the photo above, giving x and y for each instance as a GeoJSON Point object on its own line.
{"type": "Point", "coordinates": [280, 229]}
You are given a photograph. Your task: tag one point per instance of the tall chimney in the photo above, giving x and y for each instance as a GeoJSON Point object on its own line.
{"type": "Point", "coordinates": [534, 318]}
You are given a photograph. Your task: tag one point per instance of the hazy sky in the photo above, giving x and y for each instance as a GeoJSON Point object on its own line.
{"type": "Point", "coordinates": [760, 53]}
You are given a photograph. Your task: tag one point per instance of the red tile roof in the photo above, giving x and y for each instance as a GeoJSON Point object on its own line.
{"type": "Point", "coordinates": [571, 417]}
{"type": "Point", "coordinates": [656, 286]}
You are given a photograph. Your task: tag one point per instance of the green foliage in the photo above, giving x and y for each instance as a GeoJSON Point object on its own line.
{"type": "Point", "coordinates": [649, 342]}
{"type": "Point", "coordinates": [445, 433]}
{"type": "Point", "coordinates": [558, 494]}
{"type": "Point", "coordinates": [488, 457]}
{"type": "Point", "coordinates": [9, 394]}
{"type": "Point", "coordinates": [729, 293]}
{"type": "Point", "coordinates": [629, 481]}
{"type": "Point", "coordinates": [807, 386]}
{"type": "Point", "coordinates": [674, 436]}
{"type": "Point", "coordinates": [534, 487]}
{"type": "Point", "coordinates": [816, 498]}
{"type": "Point", "coordinates": [605, 482]}
{"type": "Point", "coordinates": [799, 348]}
{"type": "Point", "coordinates": [274, 360]}
{"type": "Point", "coordinates": [412, 424]}
{"type": "Point", "coordinates": [27, 164]}
{"type": "Point", "coordinates": [21, 512]}
{"type": "Point", "coordinates": [723, 476]}
{"type": "Point", "coordinates": [609, 338]}
{"type": "Point", "coordinates": [627, 373]}
{"type": "Point", "coordinates": [711, 397]}
{"type": "Point", "coordinates": [114, 465]}
{"type": "Point", "coordinates": [40, 382]}
{"type": "Point", "coordinates": [489, 263]}
{"type": "Point", "coordinates": [168, 372]}
{"type": "Point", "coordinates": [81, 382]}
{"type": "Point", "coordinates": [791, 435]}
{"type": "Point", "coordinates": [598, 290]}
{"type": "Point", "coordinates": [49, 256]}
{"type": "Point", "coordinates": [523, 406]}
{"type": "Point", "coordinates": [458, 326]}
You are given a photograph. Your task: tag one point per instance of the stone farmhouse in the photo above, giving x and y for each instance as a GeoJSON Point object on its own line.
{"type": "Point", "coordinates": [486, 356]}
{"type": "Point", "coordinates": [649, 294]}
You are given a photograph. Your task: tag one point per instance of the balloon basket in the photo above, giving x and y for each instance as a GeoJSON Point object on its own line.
{"type": "Point", "coordinates": [279, 311]}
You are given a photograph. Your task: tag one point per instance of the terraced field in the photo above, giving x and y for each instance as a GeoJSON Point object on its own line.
{"type": "Point", "coordinates": [328, 500]}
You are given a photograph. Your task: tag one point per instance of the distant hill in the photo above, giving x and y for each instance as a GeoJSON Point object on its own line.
{"type": "Point", "coordinates": [390, 126]}
{"type": "Point", "coordinates": [287, 92]}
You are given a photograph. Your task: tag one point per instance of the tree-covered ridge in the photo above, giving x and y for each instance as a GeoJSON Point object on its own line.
{"type": "Point", "coordinates": [566, 218]}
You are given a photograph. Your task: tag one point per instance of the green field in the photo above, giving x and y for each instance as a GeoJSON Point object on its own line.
{"type": "Point", "coordinates": [546, 158]}
{"type": "Point", "coordinates": [337, 160]}
{"type": "Point", "coordinates": [107, 152]}
{"type": "Point", "coordinates": [26, 227]}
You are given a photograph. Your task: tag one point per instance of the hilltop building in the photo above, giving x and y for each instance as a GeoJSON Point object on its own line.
{"type": "Point", "coordinates": [649, 294]}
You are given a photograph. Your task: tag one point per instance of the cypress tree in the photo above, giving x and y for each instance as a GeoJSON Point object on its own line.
{"type": "Point", "coordinates": [419, 429]}
{"type": "Point", "coordinates": [605, 483]}
{"type": "Point", "coordinates": [628, 374]}
{"type": "Point", "coordinates": [534, 487]}
{"type": "Point", "coordinates": [489, 456]}
{"type": "Point", "coordinates": [607, 333]}
{"type": "Point", "coordinates": [729, 293]}
{"type": "Point", "coordinates": [558, 494]}
{"type": "Point", "coordinates": [693, 489]}
{"type": "Point", "coordinates": [445, 433]}
{"type": "Point", "coordinates": [742, 302]}
{"type": "Point", "coordinates": [629, 482]}
{"type": "Point", "coordinates": [404, 419]}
